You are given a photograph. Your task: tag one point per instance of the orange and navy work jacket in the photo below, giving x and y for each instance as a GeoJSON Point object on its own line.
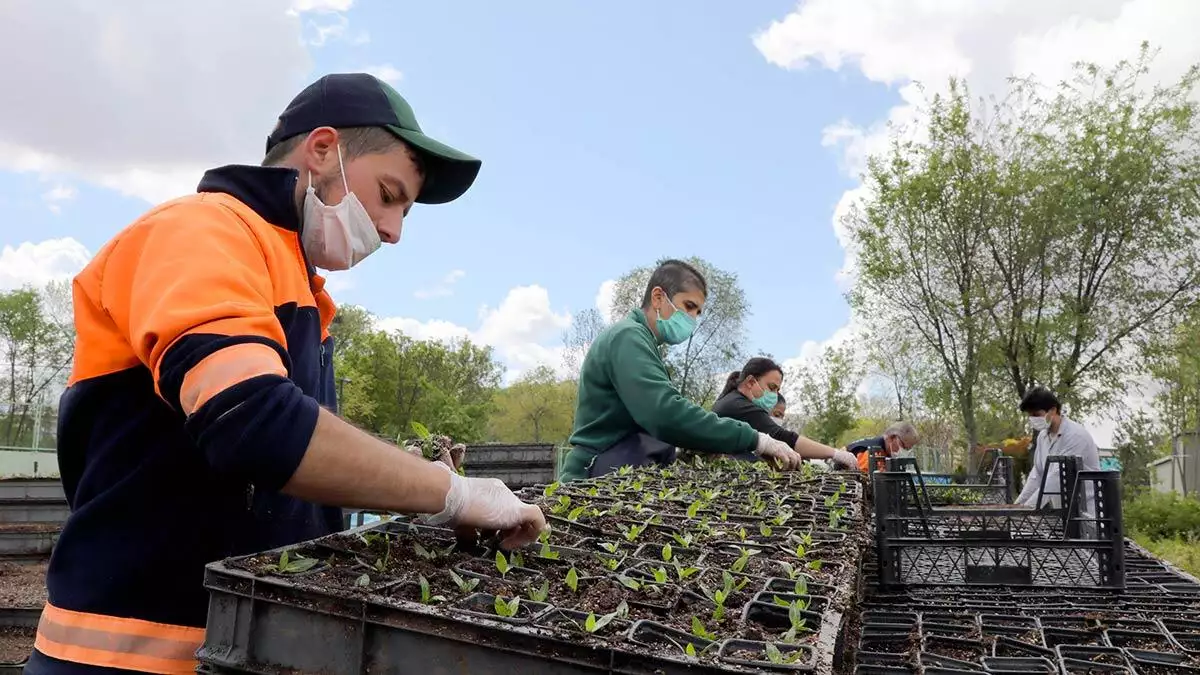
{"type": "Point", "coordinates": [201, 358]}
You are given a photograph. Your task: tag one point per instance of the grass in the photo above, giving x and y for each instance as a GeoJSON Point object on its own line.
{"type": "Point", "coordinates": [1178, 551]}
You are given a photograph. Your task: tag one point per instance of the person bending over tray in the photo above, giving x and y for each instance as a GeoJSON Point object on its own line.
{"type": "Point", "coordinates": [629, 414]}
{"type": "Point", "coordinates": [750, 392]}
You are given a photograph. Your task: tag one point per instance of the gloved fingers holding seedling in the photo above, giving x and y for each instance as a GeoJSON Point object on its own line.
{"type": "Point", "coordinates": [488, 504]}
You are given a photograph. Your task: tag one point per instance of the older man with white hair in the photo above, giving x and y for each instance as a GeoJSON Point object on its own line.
{"type": "Point", "coordinates": [896, 437]}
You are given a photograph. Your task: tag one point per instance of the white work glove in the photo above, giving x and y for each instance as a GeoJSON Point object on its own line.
{"type": "Point", "coordinates": [777, 453]}
{"type": "Point", "coordinates": [488, 504]}
{"type": "Point", "coordinates": [846, 459]}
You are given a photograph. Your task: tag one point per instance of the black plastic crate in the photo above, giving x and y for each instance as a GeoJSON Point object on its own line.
{"type": "Point", "coordinates": [1081, 545]}
{"type": "Point", "coordinates": [264, 620]}
{"type": "Point", "coordinates": [996, 486]}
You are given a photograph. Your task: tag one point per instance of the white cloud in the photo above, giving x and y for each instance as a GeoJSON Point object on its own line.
{"type": "Point", "coordinates": [146, 94]}
{"type": "Point", "coordinates": [300, 6]}
{"type": "Point", "coordinates": [604, 298]}
{"type": "Point", "coordinates": [31, 264]}
{"type": "Point", "coordinates": [386, 72]}
{"type": "Point", "coordinates": [519, 330]}
{"type": "Point", "coordinates": [910, 45]}
{"type": "Point", "coordinates": [443, 289]}
{"type": "Point", "coordinates": [57, 195]}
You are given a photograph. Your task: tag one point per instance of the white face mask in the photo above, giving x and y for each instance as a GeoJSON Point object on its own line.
{"type": "Point", "coordinates": [341, 236]}
{"type": "Point", "coordinates": [1039, 423]}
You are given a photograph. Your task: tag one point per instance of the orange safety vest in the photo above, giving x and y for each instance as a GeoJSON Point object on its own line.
{"type": "Point", "coordinates": [115, 642]}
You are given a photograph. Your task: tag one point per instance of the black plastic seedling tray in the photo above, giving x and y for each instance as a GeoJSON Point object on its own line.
{"type": "Point", "coordinates": [18, 625]}
{"type": "Point", "coordinates": [763, 554]}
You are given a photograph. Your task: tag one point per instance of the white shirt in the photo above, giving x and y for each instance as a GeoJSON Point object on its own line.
{"type": "Point", "coordinates": [1072, 439]}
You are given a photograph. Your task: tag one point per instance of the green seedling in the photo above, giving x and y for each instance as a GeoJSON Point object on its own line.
{"type": "Point", "coordinates": [609, 546]}
{"type": "Point", "coordinates": [740, 564]}
{"type": "Point", "coordinates": [632, 532]}
{"type": "Point", "coordinates": [545, 553]}
{"type": "Point", "coordinates": [561, 506]}
{"type": "Point", "coordinates": [660, 575]}
{"type": "Point", "coordinates": [764, 529]}
{"type": "Point", "coordinates": [777, 657]}
{"type": "Point", "coordinates": [550, 489]}
{"type": "Point", "coordinates": [593, 624]}
{"type": "Point", "coordinates": [803, 604]}
{"type": "Point", "coordinates": [609, 562]}
{"type": "Point", "coordinates": [575, 513]}
{"type": "Point", "coordinates": [464, 585]}
{"type": "Point", "coordinates": [625, 470]}
{"type": "Point", "coordinates": [516, 559]}
{"type": "Point", "coordinates": [572, 580]}
{"type": "Point", "coordinates": [666, 553]}
{"type": "Point", "coordinates": [289, 564]}
{"type": "Point", "coordinates": [800, 551]}
{"type": "Point", "coordinates": [807, 539]}
{"type": "Point", "coordinates": [797, 622]}
{"type": "Point", "coordinates": [507, 609]}
{"type": "Point", "coordinates": [781, 518]}
{"type": "Point", "coordinates": [694, 509]}
{"type": "Point", "coordinates": [539, 594]}
{"type": "Point", "coordinates": [741, 533]}
{"type": "Point", "coordinates": [684, 572]}
{"type": "Point", "coordinates": [631, 584]}
{"type": "Point", "coordinates": [700, 631]}
{"type": "Point", "coordinates": [593, 492]}
{"type": "Point", "coordinates": [802, 585]}
{"type": "Point", "coordinates": [422, 552]}
{"type": "Point", "coordinates": [502, 565]}
{"type": "Point", "coordinates": [814, 565]}
{"type": "Point", "coordinates": [363, 581]}
{"type": "Point", "coordinates": [683, 539]}
{"type": "Point", "coordinates": [426, 599]}
{"type": "Point", "coordinates": [831, 500]}
{"type": "Point", "coordinates": [788, 569]}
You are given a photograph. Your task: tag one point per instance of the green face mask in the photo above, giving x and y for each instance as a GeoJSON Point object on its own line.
{"type": "Point", "coordinates": [678, 328]}
{"type": "Point", "coordinates": [767, 400]}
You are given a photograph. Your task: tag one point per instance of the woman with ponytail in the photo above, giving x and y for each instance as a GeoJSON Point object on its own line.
{"type": "Point", "coordinates": [749, 396]}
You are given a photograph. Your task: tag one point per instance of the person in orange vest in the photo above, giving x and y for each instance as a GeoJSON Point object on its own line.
{"type": "Point", "coordinates": [898, 436]}
{"type": "Point", "coordinates": [196, 424]}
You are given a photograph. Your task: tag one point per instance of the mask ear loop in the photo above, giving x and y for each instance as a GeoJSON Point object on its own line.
{"type": "Point", "coordinates": [341, 168]}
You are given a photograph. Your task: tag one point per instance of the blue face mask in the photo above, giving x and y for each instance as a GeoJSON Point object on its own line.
{"type": "Point", "coordinates": [676, 329]}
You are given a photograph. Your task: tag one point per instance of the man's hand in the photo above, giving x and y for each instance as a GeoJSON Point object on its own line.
{"type": "Point", "coordinates": [777, 453]}
{"type": "Point", "coordinates": [846, 459]}
{"type": "Point", "coordinates": [488, 504]}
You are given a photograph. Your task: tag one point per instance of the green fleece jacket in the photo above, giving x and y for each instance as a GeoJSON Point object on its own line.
{"type": "Point", "coordinates": [624, 387]}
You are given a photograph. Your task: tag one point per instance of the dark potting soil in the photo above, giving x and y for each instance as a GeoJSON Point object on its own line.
{"type": "Point", "coordinates": [16, 644]}
{"type": "Point", "coordinates": [23, 585]}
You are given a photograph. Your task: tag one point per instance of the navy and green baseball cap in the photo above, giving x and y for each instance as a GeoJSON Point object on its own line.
{"type": "Point", "coordinates": [362, 100]}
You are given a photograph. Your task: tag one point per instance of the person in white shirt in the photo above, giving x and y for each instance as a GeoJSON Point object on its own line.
{"type": "Point", "coordinates": [1056, 436]}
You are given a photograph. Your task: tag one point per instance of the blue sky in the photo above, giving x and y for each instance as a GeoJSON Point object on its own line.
{"type": "Point", "coordinates": [611, 133]}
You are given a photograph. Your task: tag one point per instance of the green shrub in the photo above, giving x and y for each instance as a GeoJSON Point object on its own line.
{"type": "Point", "coordinates": [1163, 515]}
{"type": "Point", "coordinates": [1183, 554]}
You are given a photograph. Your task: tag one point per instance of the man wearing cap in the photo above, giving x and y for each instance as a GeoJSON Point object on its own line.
{"type": "Point", "coordinates": [195, 425]}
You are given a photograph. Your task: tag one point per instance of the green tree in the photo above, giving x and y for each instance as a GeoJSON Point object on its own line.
{"type": "Point", "coordinates": [1093, 242]}
{"type": "Point", "coordinates": [716, 347]}
{"type": "Point", "coordinates": [1139, 440]}
{"type": "Point", "coordinates": [826, 390]}
{"type": "Point", "coordinates": [537, 408]}
{"type": "Point", "coordinates": [36, 346]}
{"type": "Point", "coordinates": [389, 380]}
{"type": "Point", "coordinates": [921, 249]}
{"type": "Point", "coordinates": [585, 327]}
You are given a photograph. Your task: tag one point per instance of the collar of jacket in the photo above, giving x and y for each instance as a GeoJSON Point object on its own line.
{"type": "Point", "coordinates": [269, 190]}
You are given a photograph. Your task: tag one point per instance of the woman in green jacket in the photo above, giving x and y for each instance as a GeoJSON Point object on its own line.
{"type": "Point", "coordinates": [629, 414]}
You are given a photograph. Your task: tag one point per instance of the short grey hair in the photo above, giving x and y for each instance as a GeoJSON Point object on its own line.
{"type": "Point", "coordinates": [905, 431]}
